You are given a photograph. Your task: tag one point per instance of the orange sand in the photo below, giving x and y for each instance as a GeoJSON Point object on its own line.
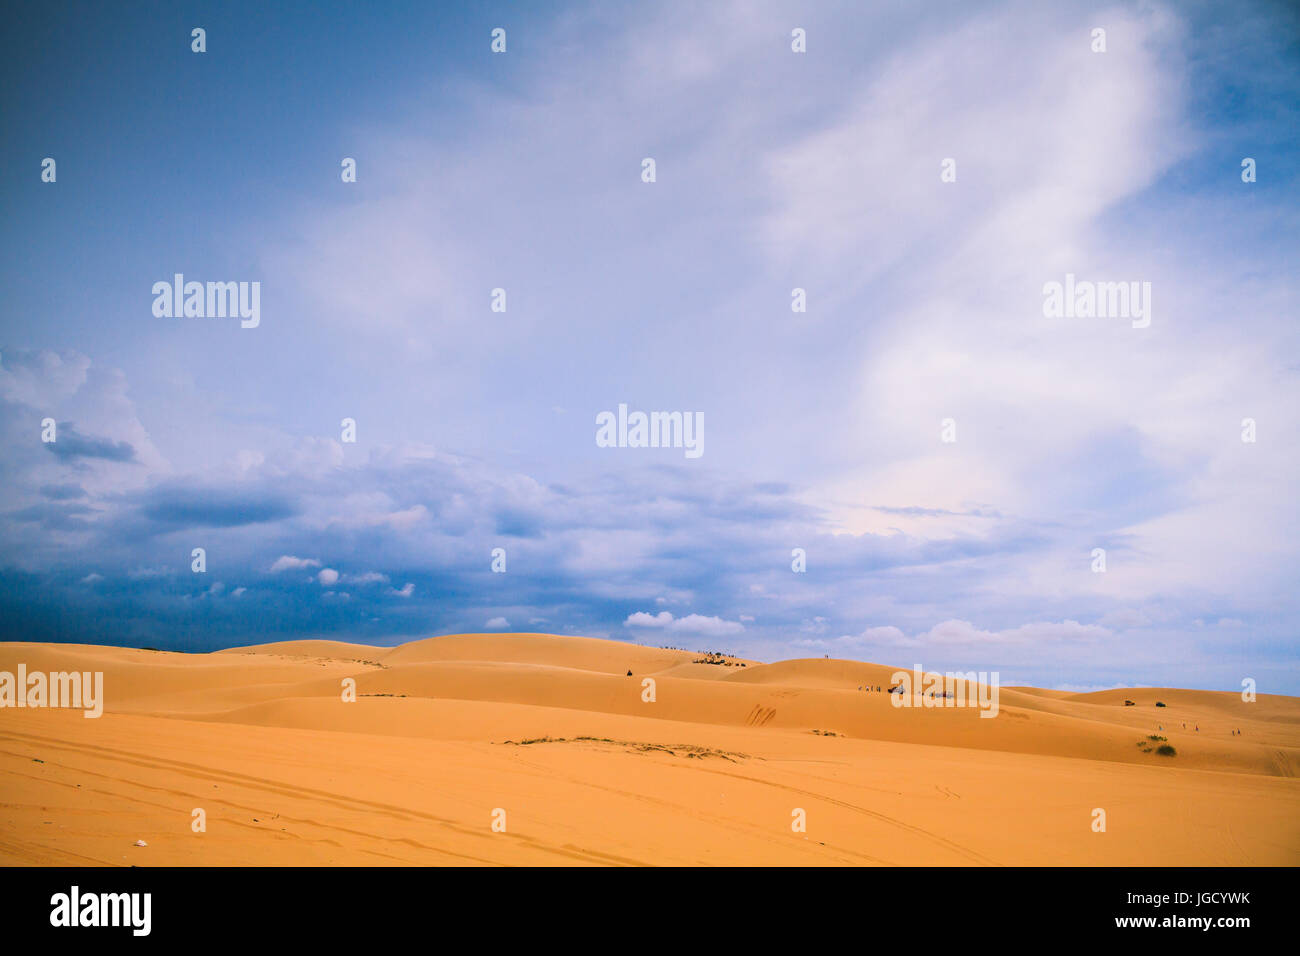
{"type": "Point", "coordinates": [446, 731]}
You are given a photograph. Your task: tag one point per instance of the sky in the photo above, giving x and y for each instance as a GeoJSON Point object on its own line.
{"type": "Point", "coordinates": [824, 429]}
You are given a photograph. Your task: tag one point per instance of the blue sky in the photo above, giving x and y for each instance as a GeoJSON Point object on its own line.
{"type": "Point", "coordinates": [775, 170]}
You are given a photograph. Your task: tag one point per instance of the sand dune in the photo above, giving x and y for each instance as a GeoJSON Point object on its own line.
{"type": "Point", "coordinates": [554, 732]}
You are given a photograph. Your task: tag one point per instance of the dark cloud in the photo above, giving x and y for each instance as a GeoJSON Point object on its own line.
{"type": "Point", "coordinates": [518, 523]}
{"type": "Point", "coordinates": [175, 506]}
{"type": "Point", "coordinates": [54, 516]}
{"type": "Point", "coordinates": [63, 492]}
{"type": "Point", "coordinates": [581, 559]}
{"type": "Point", "coordinates": [71, 445]}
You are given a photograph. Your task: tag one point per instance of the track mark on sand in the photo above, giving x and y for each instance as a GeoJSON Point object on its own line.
{"type": "Point", "coordinates": [967, 852]}
{"type": "Point", "coordinates": [325, 797]}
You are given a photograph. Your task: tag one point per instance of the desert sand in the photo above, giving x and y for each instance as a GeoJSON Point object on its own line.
{"type": "Point", "coordinates": [549, 735]}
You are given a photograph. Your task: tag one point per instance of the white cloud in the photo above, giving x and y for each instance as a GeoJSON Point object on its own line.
{"type": "Point", "coordinates": [813, 642]}
{"type": "Point", "coordinates": [288, 562]}
{"type": "Point", "coordinates": [369, 577]}
{"type": "Point", "coordinates": [874, 635]}
{"type": "Point", "coordinates": [645, 619]}
{"type": "Point", "coordinates": [955, 632]}
{"type": "Point", "coordinates": [691, 624]}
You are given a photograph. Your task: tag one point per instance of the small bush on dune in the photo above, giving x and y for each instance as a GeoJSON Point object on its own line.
{"type": "Point", "coordinates": [1160, 703]}
{"type": "Point", "coordinates": [1166, 750]}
